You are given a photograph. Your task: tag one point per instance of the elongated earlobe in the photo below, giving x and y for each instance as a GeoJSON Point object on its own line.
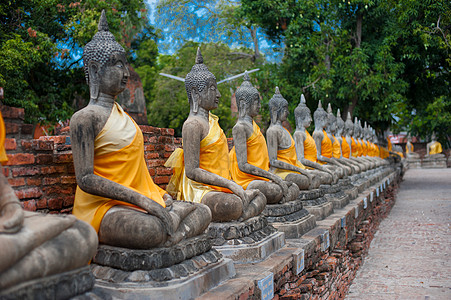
{"type": "Point", "coordinates": [93, 80]}
{"type": "Point", "coordinates": [242, 109]}
{"type": "Point", "coordinates": [195, 97]}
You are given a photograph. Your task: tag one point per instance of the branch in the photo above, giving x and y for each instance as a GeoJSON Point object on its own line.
{"type": "Point", "coordinates": [311, 84]}
{"type": "Point", "coordinates": [241, 55]}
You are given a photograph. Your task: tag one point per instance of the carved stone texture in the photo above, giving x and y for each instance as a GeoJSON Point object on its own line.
{"type": "Point", "coordinates": [236, 233]}
{"type": "Point", "coordinates": [61, 286]}
{"type": "Point", "coordinates": [157, 258]}
{"type": "Point", "coordinates": [182, 269]}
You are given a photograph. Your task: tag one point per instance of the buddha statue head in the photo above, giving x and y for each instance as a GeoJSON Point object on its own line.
{"type": "Point", "coordinates": [201, 87]}
{"type": "Point", "coordinates": [433, 137]}
{"type": "Point", "coordinates": [349, 126]}
{"type": "Point", "coordinates": [104, 62]}
{"type": "Point", "coordinates": [278, 107]}
{"type": "Point", "coordinates": [302, 114]}
{"type": "Point", "coordinates": [247, 98]}
{"type": "Point", "coordinates": [340, 124]}
{"type": "Point", "coordinates": [320, 117]}
{"type": "Point", "coordinates": [332, 120]}
{"type": "Point", "coordinates": [356, 128]}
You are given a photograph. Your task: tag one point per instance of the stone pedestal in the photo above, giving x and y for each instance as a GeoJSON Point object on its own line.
{"type": "Point", "coordinates": [183, 271]}
{"type": "Point", "coordinates": [290, 218]}
{"type": "Point", "coordinates": [414, 163]}
{"type": "Point", "coordinates": [316, 204]}
{"type": "Point", "coordinates": [434, 162]}
{"type": "Point", "coordinates": [60, 286]}
{"type": "Point", "coordinates": [250, 241]}
{"type": "Point", "coordinates": [335, 194]}
{"type": "Point", "coordinates": [321, 211]}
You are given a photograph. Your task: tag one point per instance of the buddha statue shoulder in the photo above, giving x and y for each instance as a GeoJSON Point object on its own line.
{"type": "Point", "coordinates": [204, 172]}
{"type": "Point", "coordinates": [434, 148]}
{"type": "Point", "coordinates": [249, 159]}
{"type": "Point", "coordinates": [35, 245]}
{"type": "Point", "coordinates": [115, 192]}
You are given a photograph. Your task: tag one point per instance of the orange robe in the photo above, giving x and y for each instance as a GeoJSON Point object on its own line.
{"type": "Point", "coordinates": [354, 149]}
{"type": "Point", "coordinates": [257, 155]}
{"type": "Point", "coordinates": [436, 148]}
{"type": "Point", "coordinates": [124, 165]}
{"type": "Point", "coordinates": [3, 157]}
{"type": "Point", "coordinates": [326, 147]}
{"type": "Point", "coordinates": [336, 151]}
{"type": "Point", "coordinates": [213, 157]}
{"type": "Point", "coordinates": [364, 148]}
{"type": "Point", "coordinates": [345, 149]}
{"type": "Point", "coordinates": [288, 156]}
{"type": "Point", "coordinates": [310, 148]}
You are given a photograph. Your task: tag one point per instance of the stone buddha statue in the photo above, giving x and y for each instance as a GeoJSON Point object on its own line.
{"type": "Point", "coordinates": [324, 148]}
{"type": "Point", "coordinates": [410, 153]}
{"type": "Point", "coordinates": [115, 192]}
{"type": "Point", "coordinates": [249, 159]}
{"type": "Point", "coordinates": [349, 132]}
{"type": "Point", "coordinates": [360, 134]}
{"type": "Point", "coordinates": [345, 148]}
{"type": "Point", "coordinates": [204, 175]}
{"type": "Point", "coordinates": [283, 159]}
{"type": "Point", "coordinates": [35, 245]}
{"type": "Point", "coordinates": [434, 148]}
{"type": "Point", "coordinates": [305, 144]}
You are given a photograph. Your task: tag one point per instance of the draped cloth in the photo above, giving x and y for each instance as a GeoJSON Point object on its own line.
{"type": "Point", "coordinates": [364, 148]}
{"type": "Point", "coordinates": [119, 157]}
{"type": "Point", "coordinates": [336, 153]}
{"type": "Point", "coordinates": [345, 149]}
{"type": "Point", "coordinates": [257, 155]}
{"type": "Point", "coordinates": [310, 148]}
{"type": "Point", "coordinates": [3, 157]}
{"type": "Point", "coordinates": [213, 157]}
{"type": "Point", "coordinates": [326, 147]}
{"type": "Point", "coordinates": [409, 148]}
{"type": "Point", "coordinates": [436, 148]}
{"type": "Point", "coordinates": [354, 149]}
{"type": "Point", "coordinates": [288, 156]}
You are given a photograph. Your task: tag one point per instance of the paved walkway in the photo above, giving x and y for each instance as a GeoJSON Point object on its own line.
{"type": "Point", "coordinates": [410, 255]}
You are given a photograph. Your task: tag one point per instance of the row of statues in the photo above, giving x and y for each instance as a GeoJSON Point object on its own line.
{"type": "Point", "coordinates": [117, 197]}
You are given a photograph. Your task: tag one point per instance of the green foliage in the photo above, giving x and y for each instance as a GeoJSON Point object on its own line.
{"type": "Point", "coordinates": [40, 50]}
{"type": "Point", "coordinates": [170, 108]}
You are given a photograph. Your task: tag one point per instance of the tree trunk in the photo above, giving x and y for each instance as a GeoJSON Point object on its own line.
{"type": "Point", "coordinates": [253, 31]}
{"type": "Point", "coordinates": [359, 30]}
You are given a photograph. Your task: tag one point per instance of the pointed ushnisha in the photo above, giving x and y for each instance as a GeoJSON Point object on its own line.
{"type": "Point", "coordinates": [338, 113]}
{"type": "Point", "coordinates": [329, 108]}
{"type": "Point", "coordinates": [103, 23]}
{"type": "Point", "coordinates": [246, 92]}
{"type": "Point", "coordinates": [199, 58]}
{"type": "Point", "coordinates": [246, 76]}
{"type": "Point", "coordinates": [349, 116]}
{"type": "Point", "coordinates": [199, 76]}
{"type": "Point", "coordinates": [319, 104]}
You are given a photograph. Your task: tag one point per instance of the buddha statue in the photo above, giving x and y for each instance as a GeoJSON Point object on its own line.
{"type": "Point", "coordinates": [249, 159]}
{"type": "Point", "coordinates": [323, 143]}
{"type": "Point", "coordinates": [305, 145]}
{"type": "Point", "coordinates": [349, 132]}
{"type": "Point", "coordinates": [115, 192]}
{"type": "Point", "coordinates": [360, 133]}
{"type": "Point", "coordinates": [345, 148]}
{"type": "Point", "coordinates": [410, 153]}
{"type": "Point", "coordinates": [434, 148]}
{"type": "Point", "coordinates": [204, 172]}
{"type": "Point", "coordinates": [35, 245]}
{"type": "Point", "coordinates": [283, 160]}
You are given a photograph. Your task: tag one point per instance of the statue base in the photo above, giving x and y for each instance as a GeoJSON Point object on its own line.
{"type": "Point", "coordinates": [334, 194]}
{"type": "Point", "coordinates": [59, 286]}
{"type": "Point", "coordinates": [321, 211]}
{"type": "Point", "coordinates": [434, 162]}
{"type": "Point", "coordinates": [245, 242]}
{"type": "Point", "coordinates": [183, 271]}
{"type": "Point", "coordinates": [414, 163]}
{"type": "Point", "coordinates": [316, 204]}
{"type": "Point", "coordinates": [290, 218]}
{"type": "Point", "coordinates": [349, 189]}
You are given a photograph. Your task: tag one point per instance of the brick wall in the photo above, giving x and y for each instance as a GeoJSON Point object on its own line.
{"type": "Point", "coordinates": [41, 170]}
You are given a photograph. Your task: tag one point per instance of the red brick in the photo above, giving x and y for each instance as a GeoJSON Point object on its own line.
{"type": "Point", "coordinates": [10, 112]}
{"type": "Point", "coordinates": [16, 181]}
{"type": "Point", "coordinates": [169, 148]}
{"type": "Point", "coordinates": [51, 180]}
{"type": "Point", "coordinates": [53, 169]}
{"type": "Point", "coordinates": [66, 210]}
{"type": "Point", "coordinates": [63, 158]}
{"type": "Point", "coordinates": [28, 193]}
{"type": "Point", "coordinates": [41, 204]}
{"type": "Point", "coordinates": [167, 154]}
{"type": "Point", "coordinates": [164, 171]}
{"type": "Point", "coordinates": [162, 179]}
{"type": "Point", "coordinates": [26, 145]}
{"type": "Point", "coordinates": [149, 147]}
{"type": "Point", "coordinates": [70, 169]}
{"type": "Point", "coordinates": [152, 156]}
{"type": "Point", "coordinates": [34, 181]}
{"type": "Point", "coordinates": [68, 201]}
{"type": "Point", "coordinates": [26, 128]}
{"type": "Point", "coordinates": [149, 129]}
{"type": "Point", "coordinates": [41, 145]}
{"type": "Point", "coordinates": [20, 159]}
{"type": "Point", "coordinates": [152, 172]}
{"type": "Point", "coordinates": [25, 171]}
{"type": "Point", "coordinates": [155, 163]}
{"type": "Point", "coordinates": [52, 189]}
{"type": "Point", "coordinates": [159, 147]}
{"type": "Point", "coordinates": [42, 159]}
{"type": "Point", "coordinates": [29, 205]}
{"type": "Point", "coordinates": [12, 128]}
{"type": "Point", "coordinates": [167, 131]}
{"type": "Point", "coordinates": [153, 139]}
{"type": "Point", "coordinates": [58, 139]}
{"type": "Point", "coordinates": [5, 171]}
{"type": "Point", "coordinates": [55, 203]}
{"type": "Point", "coordinates": [68, 179]}
{"type": "Point", "coordinates": [164, 140]}
{"type": "Point", "coordinates": [10, 144]}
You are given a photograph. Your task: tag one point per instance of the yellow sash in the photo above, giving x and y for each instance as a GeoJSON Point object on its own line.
{"type": "Point", "coordinates": [354, 149]}
{"type": "Point", "coordinates": [125, 166]}
{"type": "Point", "coordinates": [257, 155]}
{"type": "Point", "coordinates": [409, 148]}
{"type": "Point", "coordinates": [310, 148]}
{"type": "Point", "coordinates": [288, 156]}
{"type": "Point", "coordinates": [336, 148]}
{"type": "Point", "coordinates": [345, 150]}
{"type": "Point", "coordinates": [436, 148]}
{"type": "Point", "coordinates": [213, 157]}
{"type": "Point", "coordinates": [326, 146]}
{"type": "Point", "coordinates": [3, 157]}
{"type": "Point", "coordinates": [389, 146]}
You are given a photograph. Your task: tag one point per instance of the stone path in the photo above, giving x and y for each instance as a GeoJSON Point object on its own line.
{"type": "Point", "coordinates": [410, 256]}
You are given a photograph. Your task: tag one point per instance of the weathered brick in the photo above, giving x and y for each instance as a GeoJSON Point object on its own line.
{"type": "Point", "coordinates": [146, 129]}
{"type": "Point", "coordinates": [12, 128]}
{"type": "Point", "coordinates": [43, 145]}
{"type": "Point", "coordinates": [41, 203]}
{"type": "Point", "coordinates": [167, 131]}
{"type": "Point", "coordinates": [43, 159]}
{"type": "Point", "coordinates": [20, 159]}
{"type": "Point", "coordinates": [164, 140]}
{"type": "Point", "coordinates": [68, 179]}
{"type": "Point", "coordinates": [152, 172]}
{"type": "Point", "coordinates": [63, 158]}
{"type": "Point", "coordinates": [149, 147]}
{"type": "Point", "coordinates": [151, 156]}
{"type": "Point", "coordinates": [55, 203]}
{"type": "Point", "coordinates": [10, 144]}
{"type": "Point", "coordinates": [26, 128]}
{"type": "Point", "coordinates": [161, 179]}
{"type": "Point", "coordinates": [164, 171]}
{"type": "Point", "coordinates": [51, 180]}
{"type": "Point", "coordinates": [52, 189]}
{"type": "Point", "coordinates": [169, 148]}
{"type": "Point", "coordinates": [9, 112]}
{"type": "Point", "coordinates": [155, 163]}
{"type": "Point", "coordinates": [34, 181]}
{"type": "Point", "coordinates": [57, 139]}
{"type": "Point", "coordinates": [29, 205]}
{"type": "Point", "coordinates": [68, 201]}
{"type": "Point", "coordinates": [25, 171]}
{"type": "Point", "coordinates": [53, 169]}
{"type": "Point", "coordinates": [29, 193]}
{"type": "Point", "coordinates": [16, 181]}
{"type": "Point", "coordinates": [6, 171]}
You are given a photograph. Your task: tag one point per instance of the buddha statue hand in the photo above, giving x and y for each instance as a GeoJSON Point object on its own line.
{"type": "Point", "coordinates": [11, 214]}
{"type": "Point", "coordinates": [168, 200]}
{"type": "Point", "coordinates": [283, 185]}
{"type": "Point", "coordinates": [155, 209]}
{"type": "Point", "coordinates": [239, 191]}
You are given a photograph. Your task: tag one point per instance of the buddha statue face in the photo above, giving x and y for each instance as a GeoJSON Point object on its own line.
{"type": "Point", "coordinates": [331, 119]}
{"type": "Point", "coordinates": [247, 98]}
{"type": "Point", "coordinates": [201, 86]}
{"type": "Point", "coordinates": [302, 113]}
{"type": "Point", "coordinates": [278, 107]}
{"type": "Point", "coordinates": [340, 124]}
{"type": "Point", "coordinates": [105, 64]}
{"type": "Point", "coordinates": [349, 126]}
{"type": "Point", "coordinates": [320, 117]}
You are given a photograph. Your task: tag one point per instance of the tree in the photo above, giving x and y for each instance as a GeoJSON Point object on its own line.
{"type": "Point", "coordinates": [41, 45]}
